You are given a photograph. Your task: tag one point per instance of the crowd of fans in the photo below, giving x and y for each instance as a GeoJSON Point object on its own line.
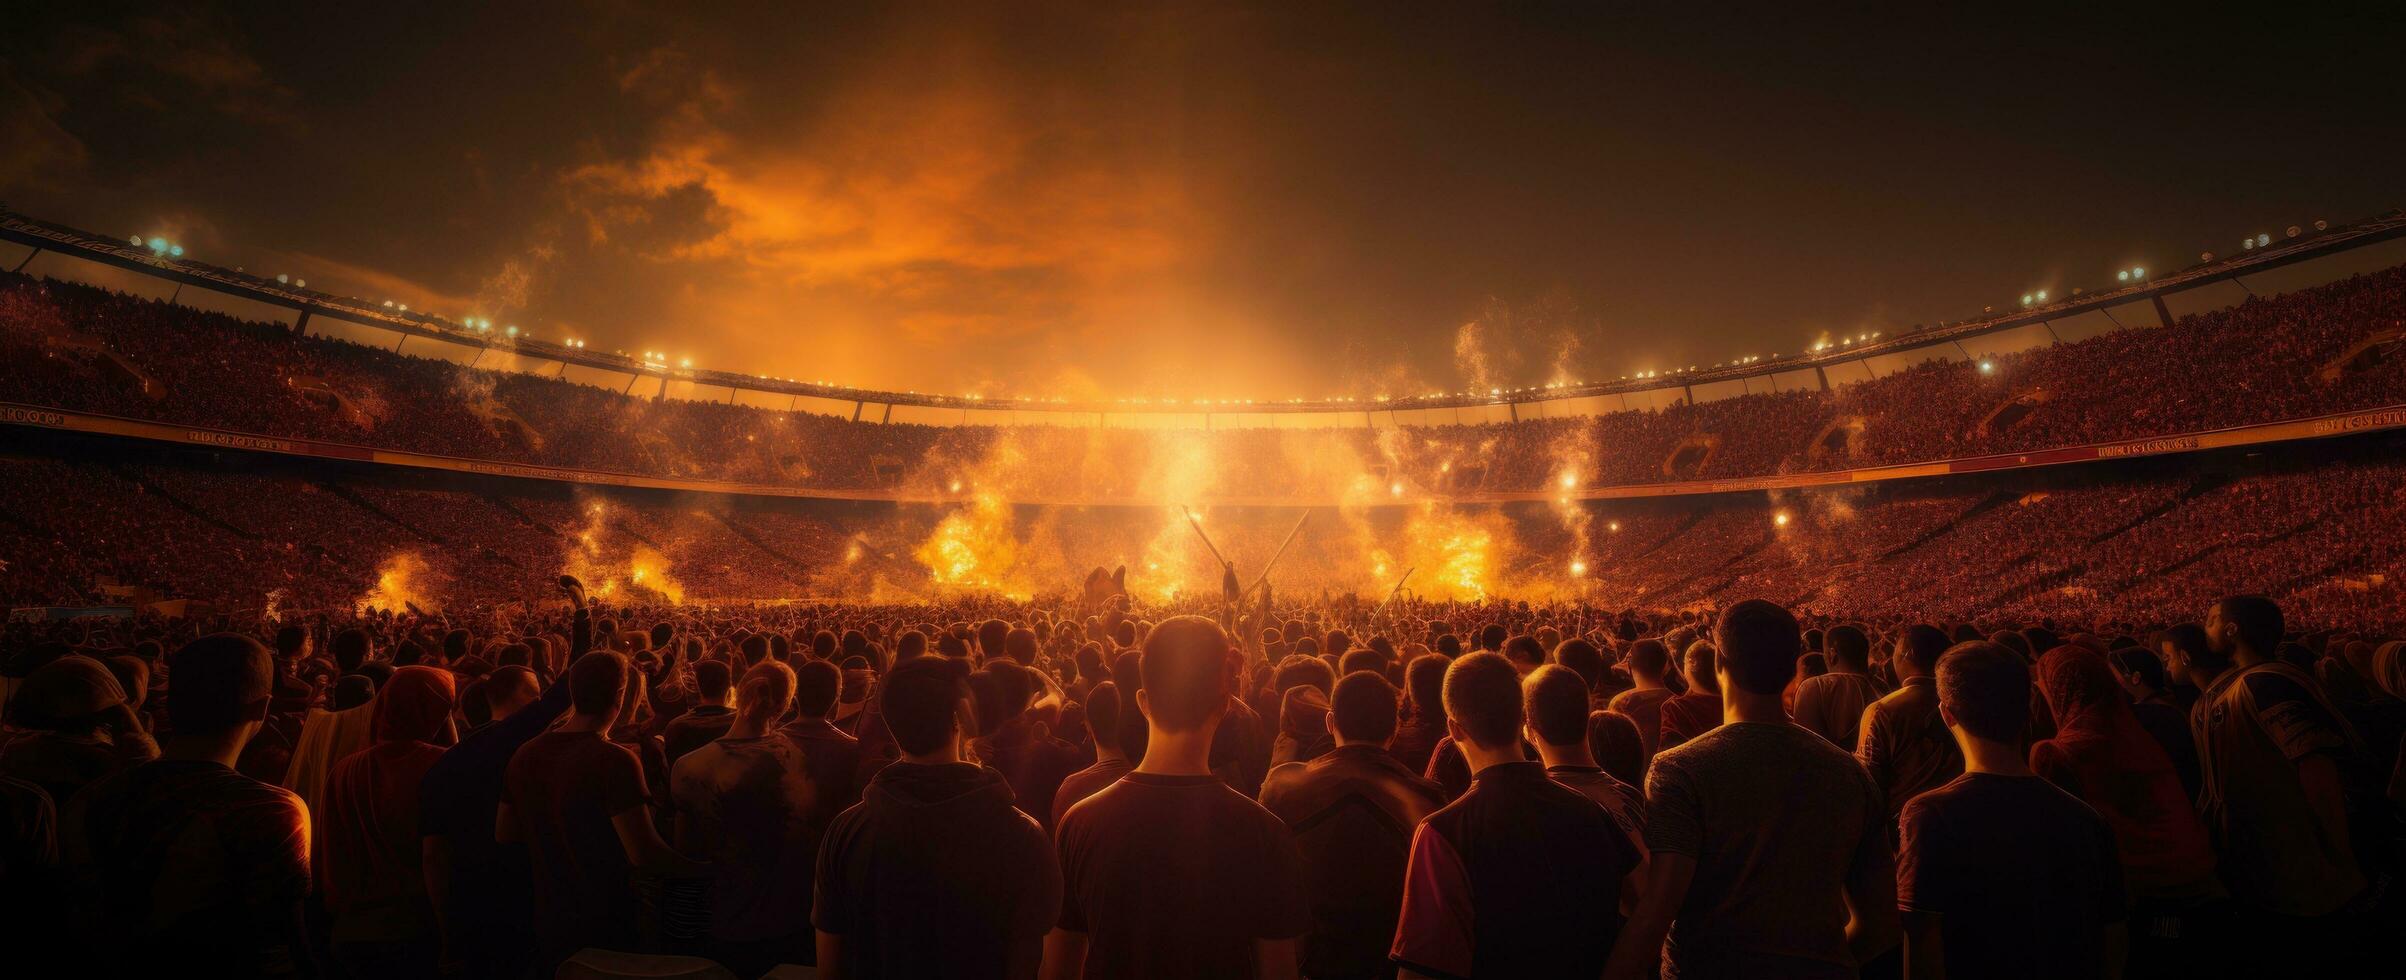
{"type": "Point", "coordinates": [2103, 549]}
{"type": "Point", "coordinates": [1218, 786]}
{"type": "Point", "coordinates": [2256, 362]}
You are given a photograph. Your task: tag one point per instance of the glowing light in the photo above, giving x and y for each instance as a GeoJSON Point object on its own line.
{"type": "Point", "coordinates": [2123, 276]}
{"type": "Point", "coordinates": [1395, 489]}
{"type": "Point", "coordinates": [1578, 567]}
{"type": "Point", "coordinates": [1614, 527]}
{"type": "Point", "coordinates": [2042, 295]}
{"type": "Point", "coordinates": [400, 583]}
{"type": "Point", "coordinates": [1988, 367]}
{"type": "Point", "coordinates": [1569, 480]}
{"type": "Point", "coordinates": [158, 244]}
{"type": "Point", "coordinates": [176, 251]}
{"type": "Point", "coordinates": [956, 486]}
{"type": "Point", "coordinates": [1780, 519]}
{"type": "Point", "coordinates": [280, 277]}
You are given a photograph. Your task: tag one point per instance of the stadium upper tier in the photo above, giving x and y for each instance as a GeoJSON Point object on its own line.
{"type": "Point", "coordinates": [2136, 297]}
{"type": "Point", "coordinates": [2314, 351]}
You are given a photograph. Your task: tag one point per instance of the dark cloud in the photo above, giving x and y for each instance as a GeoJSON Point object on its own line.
{"type": "Point", "coordinates": [1197, 199]}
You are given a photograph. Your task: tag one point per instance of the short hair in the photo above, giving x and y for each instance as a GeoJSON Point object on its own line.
{"type": "Point", "coordinates": [755, 648]}
{"type": "Point", "coordinates": [1648, 656]}
{"type": "Point", "coordinates": [1582, 658]}
{"type": "Point", "coordinates": [218, 682]}
{"type": "Point", "coordinates": [1363, 708]}
{"type": "Point", "coordinates": [712, 679]}
{"type": "Point", "coordinates": [500, 681]}
{"type": "Point", "coordinates": [474, 703]}
{"type": "Point", "coordinates": [1986, 687]}
{"type": "Point", "coordinates": [1185, 667]}
{"type": "Point", "coordinates": [353, 690]}
{"type": "Point", "coordinates": [822, 645]}
{"type": "Point", "coordinates": [596, 681]}
{"type": "Point", "coordinates": [1482, 694]}
{"type": "Point", "coordinates": [991, 635]}
{"type": "Point", "coordinates": [2140, 661]}
{"type": "Point", "coordinates": [1922, 646]}
{"type": "Point", "coordinates": [351, 648]}
{"type": "Point", "coordinates": [1102, 714]}
{"type": "Point", "coordinates": [455, 645]}
{"type": "Point", "coordinates": [2258, 620]}
{"type": "Point", "coordinates": [2189, 639]}
{"type": "Point", "coordinates": [1555, 700]}
{"type": "Point", "coordinates": [926, 702]}
{"type": "Point", "coordinates": [1424, 681]}
{"type": "Point", "coordinates": [1758, 645]}
{"type": "Point", "coordinates": [1847, 645]}
{"type": "Point", "coordinates": [817, 684]}
{"type": "Point", "coordinates": [1360, 659]}
{"type": "Point", "coordinates": [1449, 646]}
{"type": "Point", "coordinates": [1698, 665]}
{"type": "Point", "coordinates": [289, 641]}
{"type": "Point", "coordinates": [769, 682]}
{"type": "Point", "coordinates": [1020, 645]}
{"type": "Point", "coordinates": [1524, 649]}
{"type": "Point", "coordinates": [1298, 670]}
{"type": "Point", "coordinates": [1492, 637]}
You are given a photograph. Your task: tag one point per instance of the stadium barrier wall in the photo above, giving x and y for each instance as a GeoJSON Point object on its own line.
{"type": "Point", "coordinates": [2317, 427]}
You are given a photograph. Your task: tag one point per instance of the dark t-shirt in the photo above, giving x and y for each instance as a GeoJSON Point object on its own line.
{"type": "Point", "coordinates": [2022, 873]}
{"type": "Point", "coordinates": [194, 863]}
{"type": "Point", "coordinates": [1178, 876]}
{"type": "Point", "coordinates": [564, 787]}
{"type": "Point", "coordinates": [1079, 785]}
{"type": "Point", "coordinates": [457, 801]}
{"type": "Point", "coordinates": [743, 806]}
{"type": "Point", "coordinates": [1780, 823]}
{"type": "Point", "coordinates": [937, 874]}
{"type": "Point", "coordinates": [694, 729]}
{"type": "Point", "coordinates": [1521, 877]}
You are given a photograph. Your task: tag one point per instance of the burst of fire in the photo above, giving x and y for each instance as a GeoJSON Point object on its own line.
{"type": "Point", "coordinates": [974, 547]}
{"type": "Point", "coordinates": [642, 573]}
{"type": "Point", "coordinates": [1456, 554]}
{"type": "Point", "coordinates": [400, 582]}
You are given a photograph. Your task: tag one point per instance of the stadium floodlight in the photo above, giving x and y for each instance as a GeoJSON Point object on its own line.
{"type": "Point", "coordinates": [158, 244]}
{"type": "Point", "coordinates": [303, 283]}
{"type": "Point", "coordinates": [1988, 367]}
{"type": "Point", "coordinates": [282, 278]}
{"type": "Point", "coordinates": [2042, 295]}
{"type": "Point", "coordinates": [404, 307]}
{"type": "Point", "coordinates": [176, 251]}
{"type": "Point", "coordinates": [2295, 231]}
{"type": "Point", "coordinates": [512, 331]}
{"type": "Point", "coordinates": [2321, 225]}
{"type": "Point", "coordinates": [135, 240]}
{"type": "Point", "coordinates": [2139, 273]}
{"type": "Point", "coordinates": [2122, 276]}
{"type": "Point", "coordinates": [2025, 299]}
{"type": "Point", "coordinates": [2263, 240]}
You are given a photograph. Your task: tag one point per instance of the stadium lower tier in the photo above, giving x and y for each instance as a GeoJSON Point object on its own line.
{"type": "Point", "coordinates": [2128, 545]}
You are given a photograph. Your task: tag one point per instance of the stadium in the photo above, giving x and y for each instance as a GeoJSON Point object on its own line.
{"type": "Point", "coordinates": [1196, 493]}
{"type": "Point", "coordinates": [1813, 478]}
